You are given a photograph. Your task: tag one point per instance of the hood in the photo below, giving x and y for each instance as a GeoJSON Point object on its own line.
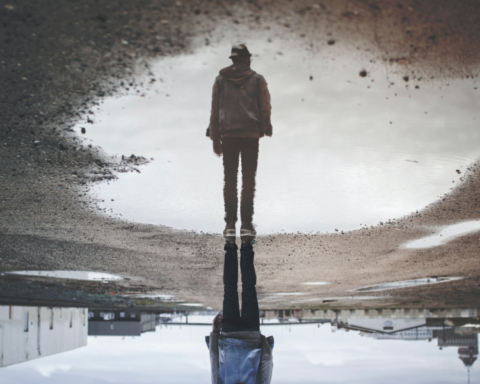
{"type": "Point", "coordinates": [237, 74]}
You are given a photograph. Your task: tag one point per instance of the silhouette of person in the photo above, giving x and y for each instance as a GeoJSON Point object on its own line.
{"type": "Point", "coordinates": [239, 353]}
{"type": "Point", "coordinates": [240, 116]}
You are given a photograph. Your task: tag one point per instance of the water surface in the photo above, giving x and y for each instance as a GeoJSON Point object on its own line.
{"type": "Point", "coordinates": [346, 151]}
{"type": "Point", "coordinates": [445, 235]}
{"type": "Point", "coordinates": [74, 275]}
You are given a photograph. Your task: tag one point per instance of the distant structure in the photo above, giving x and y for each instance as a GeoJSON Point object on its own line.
{"type": "Point", "coordinates": [408, 324]}
{"type": "Point", "coordinates": [465, 338]}
{"type": "Point", "coordinates": [417, 329]}
{"type": "Point", "coordinates": [103, 322]}
{"type": "Point", "coordinates": [28, 333]}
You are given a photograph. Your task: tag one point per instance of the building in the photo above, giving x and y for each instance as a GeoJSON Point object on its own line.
{"type": "Point", "coordinates": [123, 322]}
{"type": "Point", "coordinates": [409, 329]}
{"type": "Point", "coordinates": [28, 333]}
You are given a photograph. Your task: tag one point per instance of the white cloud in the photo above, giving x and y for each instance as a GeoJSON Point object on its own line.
{"type": "Point", "coordinates": [327, 359]}
{"type": "Point", "coordinates": [46, 370]}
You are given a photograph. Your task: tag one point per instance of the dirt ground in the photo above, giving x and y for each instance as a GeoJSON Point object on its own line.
{"type": "Point", "coordinates": [59, 58]}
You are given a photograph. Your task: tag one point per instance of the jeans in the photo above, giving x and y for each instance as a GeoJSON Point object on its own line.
{"type": "Point", "coordinates": [239, 362]}
{"type": "Point", "coordinates": [249, 319]}
{"type": "Point", "coordinates": [232, 148]}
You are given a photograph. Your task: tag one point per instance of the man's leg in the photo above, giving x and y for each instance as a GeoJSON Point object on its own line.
{"type": "Point", "coordinates": [231, 314]}
{"type": "Point", "coordinates": [250, 312]}
{"type": "Point", "coordinates": [231, 153]}
{"type": "Point", "coordinates": [249, 153]}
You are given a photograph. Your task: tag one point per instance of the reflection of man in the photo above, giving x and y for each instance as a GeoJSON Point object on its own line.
{"type": "Point", "coordinates": [240, 116]}
{"type": "Point", "coordinates": [239, 353]}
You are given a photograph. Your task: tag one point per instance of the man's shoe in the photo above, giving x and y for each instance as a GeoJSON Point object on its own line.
{"type": "Point", "coordinates": [229, 235]}
{"type": "Point", "coordinates": [248, 236]}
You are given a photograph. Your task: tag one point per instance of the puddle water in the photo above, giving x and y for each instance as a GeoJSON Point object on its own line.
{"type": "Point", "coordinates": [446, 235]}
{"type": "Point", "coordinates": [342, 299]}
{"type": "Point", "coordinates": [406, 283]}
{"type": "Point", "coordinates": [289, 294]}
{"type": "Point", "coordinates": [316, 300]}
{"type": "Point", "coordinates": [74, 275]}
{"type": "Point", "coordinates": [44, 344]}
{"type": "Point", "coordinates": [346, 150]}
{"type": "Point", "coordinates": [160, 297]}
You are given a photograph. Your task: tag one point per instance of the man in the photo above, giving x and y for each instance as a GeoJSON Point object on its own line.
{"type": "Point", "coordinates": [239, 353]}
{"type": "Point", "coordinates": [240, 116]}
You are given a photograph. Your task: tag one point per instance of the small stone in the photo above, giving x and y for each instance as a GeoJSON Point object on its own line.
{"type": "Point", "coordinates": [363, 73]}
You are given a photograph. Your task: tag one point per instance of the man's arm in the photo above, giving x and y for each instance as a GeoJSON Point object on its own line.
{"type": "Point", "coordinates": [214, 356]}
{"type": "Point", "coordinates": [214, 130]}
{"type": "Point", "coordinates": [214, 133]}
{"type": "Point", "coordinates": [265, 108]}
{"type": "Point", "coordinates": [213, 348]}
{"type": "Point", "coordinates": [266, 363]}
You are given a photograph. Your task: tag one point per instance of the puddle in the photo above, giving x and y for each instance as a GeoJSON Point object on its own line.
{"type": "Point", "coordinates": [446, 235]}
{"type": "Point", "coordinates": [160, 297]}
{"type": "Point", "coordinates": [275, 297]}
{"type": "Point", "coordinates": [278, 296]}
{"type": "Point", "coordinates": [386, 149]}
{"type": "Point", "coordinates": [406, 283]}
{"type": "Point", "coordinates": [290, 294]}
{"type": "Point", "coordinates": [340, 299]}
{"type": "Point", "coordinates": [191, 304]}
{"type": "Point", "coordinates": [74, 275]}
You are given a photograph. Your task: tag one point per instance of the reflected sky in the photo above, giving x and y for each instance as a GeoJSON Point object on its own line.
{"type": "Point", "coordinates": [311, 353]}
{"type": "Point", "coordinates": [445, 235]}
{"type": "Point", "coordinates": [346, 150]}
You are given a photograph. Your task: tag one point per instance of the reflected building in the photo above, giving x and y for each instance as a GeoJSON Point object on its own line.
{"type": "Point", "coordinates": [399, 324]}
{"type": "Point", "coordinates": [348, 315]}
{"type": "Point", "coordinates": [464, 338]}
{"type": "Point", "coordinates": [124, 322]}
{"type": "Point", "coordinates": [468, 355]}
{"type": "Point", "coordinates": [28, 333]}
{"type": "Point", "coordinates": [416, 329]}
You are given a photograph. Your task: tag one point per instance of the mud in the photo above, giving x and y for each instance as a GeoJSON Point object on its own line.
{"type": "Point", "coordinates": [59, 59]}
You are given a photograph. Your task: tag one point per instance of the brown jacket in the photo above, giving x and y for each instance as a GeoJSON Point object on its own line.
{"type": "Point", "coordinates": [240, 105]}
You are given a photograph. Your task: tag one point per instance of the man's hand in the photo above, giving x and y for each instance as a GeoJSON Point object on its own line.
{"type": "Point", "coordinates": [217, 323]}
{"type": "Point", "coordinates": [217, 147]}
{"type": "Point", "coordinates": [268, 132]}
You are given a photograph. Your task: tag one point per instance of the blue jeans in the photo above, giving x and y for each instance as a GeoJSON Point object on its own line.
{"type": "Point", "coordinates": [239, 361]}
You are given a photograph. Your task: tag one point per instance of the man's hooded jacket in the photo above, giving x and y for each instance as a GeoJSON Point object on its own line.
{"type": "Point", "coordinates": [240, 104]}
